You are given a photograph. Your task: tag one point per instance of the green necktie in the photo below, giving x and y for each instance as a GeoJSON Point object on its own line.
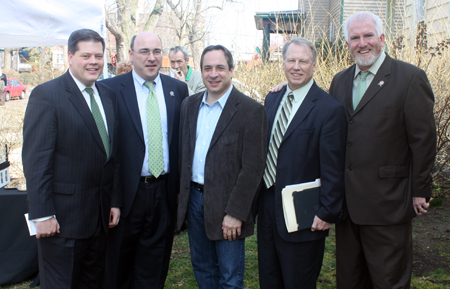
{"type": "Point", "coordinates": [279, 130]}
{"type": "Point", "coordinates": [99, 121]}
{"type": "Point", "coordinates": [361, 88]}
{"type": "Point", "coordinates": [155, 152]}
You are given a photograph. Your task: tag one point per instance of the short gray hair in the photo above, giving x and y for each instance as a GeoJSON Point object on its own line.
{"type": "Point", "coordinates": [305, 43]}
{"type": "Point", "coordinates": [182, 49]}
{"type": "Point", "coordinates": [363, 16]}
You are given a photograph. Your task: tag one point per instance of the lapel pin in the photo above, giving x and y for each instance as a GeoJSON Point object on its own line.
{"type": "Point", "coordinates": [381, 83]}
{"type": "Point", "coordinates": [172, 94]}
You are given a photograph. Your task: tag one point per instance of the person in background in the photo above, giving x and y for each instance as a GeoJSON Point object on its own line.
{"type": "Point", "coordinates": [179, 59]}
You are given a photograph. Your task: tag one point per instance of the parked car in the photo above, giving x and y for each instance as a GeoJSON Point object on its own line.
{"type": "Point", "coordinates": [14, 89]}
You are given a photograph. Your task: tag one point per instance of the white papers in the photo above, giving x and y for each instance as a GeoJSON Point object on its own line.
{"type": "Point", "coordinates": [290, 217]}
{"type": "Point", "coordinates": [31, 225]}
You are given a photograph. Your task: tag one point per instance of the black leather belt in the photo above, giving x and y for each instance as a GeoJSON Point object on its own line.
{"type": "Point", "coordinates": [152, 179]}
{"type": "Point", "coordinates": [197, 186]}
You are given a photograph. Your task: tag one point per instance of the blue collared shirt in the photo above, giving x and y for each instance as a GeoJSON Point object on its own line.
{"type": "Point", "coordinates": [208, 116]}
{"type": "Point", "coordinates": [142, 92]}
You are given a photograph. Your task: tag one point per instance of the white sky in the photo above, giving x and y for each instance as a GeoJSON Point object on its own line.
{"type": "Point", "coordinates": [235, 27]}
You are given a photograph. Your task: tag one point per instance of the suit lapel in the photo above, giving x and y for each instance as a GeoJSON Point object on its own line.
{"type": "Point", "coordinates": [303, 111]}
{"type": "Point", "coordinates": [378, 82]}
{"type": "Point", "coordinates": [193, 110]}
{"type": "Point", "coordinates": [228, 112]}
{"type": "Point", "coordinates": [77, 99]}
{"type": "Point", "coordinates": [109, 113]}
{"type": "Point", "coordinates": [169, 97]}
{"type": "Point", "coordinates": [348, 81]}
{"type": "Point", "coordinates": [128, 92]}
{"type": "Point", "coordinates": [272, 110]}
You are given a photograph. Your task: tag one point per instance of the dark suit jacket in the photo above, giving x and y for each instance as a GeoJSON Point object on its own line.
{"type": "Point", "coordinates": [132, 144]}
{"type": "Point", "coordinates": [312, 147]}
{"type": "Point", "coordinates": [234, 163]}
{"type": "Point", "coordinates": [391, 143]}
{"type": "Point", "coordinates": [64, 159]}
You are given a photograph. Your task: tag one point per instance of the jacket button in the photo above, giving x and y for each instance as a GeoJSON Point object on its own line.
{"type": "Point", "coordinates": [138, 172]}
{"type": "Point", "coordinates": [349, 144]}
{"type": "Point", "coordinates": [350, 168]}
{"type": "Point", "coordinates": [142, 149]}
{"type": "Point", "coordinates": [187, 187]}
{"type": "Point", "coordinates": [351, 121]}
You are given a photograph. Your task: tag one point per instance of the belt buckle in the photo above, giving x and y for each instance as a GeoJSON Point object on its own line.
{"type": "Point", "coordinates": [148, 179]}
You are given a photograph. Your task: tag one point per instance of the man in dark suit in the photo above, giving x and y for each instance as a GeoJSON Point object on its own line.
{"type": "Point", "coordinates": [391, 146]}
{"type": "Point", "coordinates": [70, 163]}
{"type": "Point", "coordinates": [307, 131]}
{"type": "Point", "coordinates": [149, 108]}
{"type": "Point", "coordinates": [222, 160]}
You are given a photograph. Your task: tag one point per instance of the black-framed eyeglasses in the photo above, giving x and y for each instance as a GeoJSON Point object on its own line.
{"type": "Point", "coordinates": [147, 52]}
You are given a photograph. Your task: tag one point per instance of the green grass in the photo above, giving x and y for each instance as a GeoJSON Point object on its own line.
{"type": "Point", "coordinates": [182, 276]}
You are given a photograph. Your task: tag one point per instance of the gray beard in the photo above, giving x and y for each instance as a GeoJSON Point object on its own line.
{"type": "Point", "coordinates": [367, 61]}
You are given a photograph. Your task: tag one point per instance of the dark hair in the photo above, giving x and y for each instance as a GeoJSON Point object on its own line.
{"type": "Point", "coordinates": [132, 42]}
{"type": "Point", "coordinates": [228, 55]}
{"type": "Point", "coordinates": [83, 35]}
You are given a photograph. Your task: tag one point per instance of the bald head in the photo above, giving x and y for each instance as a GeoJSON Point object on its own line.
{"type": "Point", "coordinates": [146, 55]}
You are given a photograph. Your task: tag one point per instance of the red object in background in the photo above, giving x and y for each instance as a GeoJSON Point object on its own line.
{"type": "Point", "coordinates": [14, 89]}
{"type": "Point", "coordinates": [113, 59]}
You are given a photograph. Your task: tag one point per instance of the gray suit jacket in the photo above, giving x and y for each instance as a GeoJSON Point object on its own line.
{"type": "Point", "coordinates": [391, 143]}
{"type": "Point", "coordinates": [234, 163]}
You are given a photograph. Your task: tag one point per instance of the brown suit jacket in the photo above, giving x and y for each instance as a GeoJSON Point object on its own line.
{"type": "Point", "coordinates": [234, 163]}
{"type": "Point", "coordinates": [391, 143]}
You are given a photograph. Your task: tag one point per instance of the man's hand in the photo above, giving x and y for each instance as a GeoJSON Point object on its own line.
{"type": "Point", "coordinates": [278, 87]}
{"type": "Point", "coordinates": [180, 75]}
{"type": "Point", "coordinates": [231, 228]}
{"type": "Point", "coordinates": [114, 217]}
{"type": "Point", "coordinates": [319, 225]}
{"type": "Point", "coordinates": [420, 204]}
{"type": "Point", "coordinates": [47, 228]}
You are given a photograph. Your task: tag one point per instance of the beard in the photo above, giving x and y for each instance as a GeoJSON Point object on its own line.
{"type": "Point", "coordinates": [366, 61]}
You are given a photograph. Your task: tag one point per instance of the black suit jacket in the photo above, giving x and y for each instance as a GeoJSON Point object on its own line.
{"type": "Point", "coordinates": [132, 144]}
{"type": "Point", "coordinates": [64, 159]}
{"type": "Point", "coordinates": [312, 147]}
{"type": "Point", "coordinates": [391, 143]}
{"type": "Point", "coordinates": [234, 163]}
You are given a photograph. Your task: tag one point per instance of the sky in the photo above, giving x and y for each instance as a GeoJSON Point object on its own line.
{"type": "Point", "coordinates": [235, 27]}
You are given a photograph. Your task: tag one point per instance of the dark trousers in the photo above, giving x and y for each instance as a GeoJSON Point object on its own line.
{"type": "Point", "coordinates": [72, 263]}
{"type": "Point", "coordinates": [369, 257]}
{"type": "Point", "coordinates": [284, 264]}
{"type": "Point", "coordinates": [146, 239]}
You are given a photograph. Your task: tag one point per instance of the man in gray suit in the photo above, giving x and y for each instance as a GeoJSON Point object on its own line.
{"type": "Point", "coordinates": [223, 136]}
{"type": "Point", "coordinates": [179, 59]}
{"type": "Point", "coordinates": [391, 144]}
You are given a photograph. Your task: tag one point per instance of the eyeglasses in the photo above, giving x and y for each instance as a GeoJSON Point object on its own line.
{"type": "Point", "coordinates": [147, 52]}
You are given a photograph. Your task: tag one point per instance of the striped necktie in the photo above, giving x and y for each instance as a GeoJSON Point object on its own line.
{"type": "Point", "coordinates": [279, 130]}
{"type": "Point", "coordinates": [155, 151]}
{"type": "Point", "coordinates": [99, 121]}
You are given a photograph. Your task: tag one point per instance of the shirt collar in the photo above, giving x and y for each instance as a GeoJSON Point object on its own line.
{"type": "Point", "coordinates": [80, 85]}
{"type": "Point", "coordinates": [222, 101]}
{"type": "Point", "coordinates": [374, 68]}
{"type": "Point", "coordinates": [301, 92]}
{"type": "Point", "coordinates": [141, 81]}
{"type": "Point", "coordinates": [188, 74]}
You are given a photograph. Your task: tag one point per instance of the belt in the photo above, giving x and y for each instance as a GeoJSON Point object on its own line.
{"type": "Point", "coordinates": [197, 186]}
{"type": "Point", "coordinates": [152, 179]}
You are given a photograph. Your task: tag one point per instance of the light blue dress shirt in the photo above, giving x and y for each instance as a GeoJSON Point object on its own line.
{"type": "Point", "coordinates": [208, 116]}
{"type": "Point", "coordinates": [142, 92]}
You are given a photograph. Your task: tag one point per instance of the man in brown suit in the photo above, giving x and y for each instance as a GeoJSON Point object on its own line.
{"type": "Point", "coordinates": [223, 149]}
{"type": "Point", "coordinates": [391, 145]}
